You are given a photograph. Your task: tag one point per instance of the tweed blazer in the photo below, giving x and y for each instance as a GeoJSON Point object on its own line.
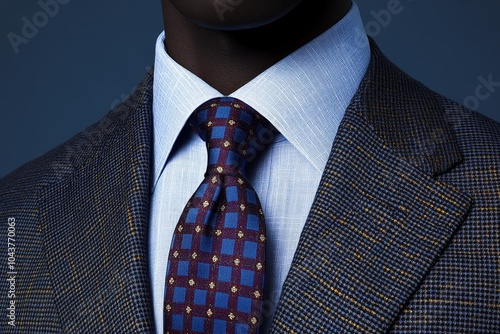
{"type": "Point", "coordinates": [403, 235]}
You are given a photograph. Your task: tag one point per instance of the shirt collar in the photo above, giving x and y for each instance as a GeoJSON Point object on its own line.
{"type": "Point", "coordinates": [304, 95]}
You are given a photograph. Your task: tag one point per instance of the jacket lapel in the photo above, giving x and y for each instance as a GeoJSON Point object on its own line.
{"type": "Point", "coordinates": [379, 220]}
{"type": "Point", "coordinates": [95, 222]}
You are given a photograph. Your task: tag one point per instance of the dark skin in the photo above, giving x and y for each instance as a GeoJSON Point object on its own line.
{"type": "Point", "coordinates": [230, 45]}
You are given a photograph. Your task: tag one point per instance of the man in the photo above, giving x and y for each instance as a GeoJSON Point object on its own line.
{"type": "Point", "coordinates": [380, 196]}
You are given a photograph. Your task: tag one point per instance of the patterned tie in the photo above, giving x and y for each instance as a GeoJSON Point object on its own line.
{"type": "Point", "coordinates": [215, 274]}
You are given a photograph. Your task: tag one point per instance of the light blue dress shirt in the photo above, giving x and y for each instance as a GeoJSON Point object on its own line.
{"type": "Point", "coordinates": [304, 96]}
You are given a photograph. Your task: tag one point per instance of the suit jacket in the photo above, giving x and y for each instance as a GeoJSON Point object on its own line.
{"type": "Point", "coordinates": [403, 235]}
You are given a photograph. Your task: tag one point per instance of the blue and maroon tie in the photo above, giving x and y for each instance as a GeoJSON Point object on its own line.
{"type": "Point", "coordinates": [215, 273]}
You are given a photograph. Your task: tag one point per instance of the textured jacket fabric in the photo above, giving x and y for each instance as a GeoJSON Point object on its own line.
{"type": "Point", "coordinates": [403, 235]}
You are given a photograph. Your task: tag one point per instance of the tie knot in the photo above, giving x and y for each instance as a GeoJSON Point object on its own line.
{"type": "Point", "coordinates": [233, 131]}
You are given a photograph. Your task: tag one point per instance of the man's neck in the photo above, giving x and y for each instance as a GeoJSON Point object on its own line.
{"type": "Point", "coordinates": [227, 60]}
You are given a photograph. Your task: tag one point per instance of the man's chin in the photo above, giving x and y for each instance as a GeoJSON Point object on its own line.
{"type": "Point", "coordinates": [232, 15]}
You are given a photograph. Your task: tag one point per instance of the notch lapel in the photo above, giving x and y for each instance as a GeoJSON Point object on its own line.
{"type": "Point", "coordinates": [95, 224]}
{"type": "Point", "coordinates": [379, 220]}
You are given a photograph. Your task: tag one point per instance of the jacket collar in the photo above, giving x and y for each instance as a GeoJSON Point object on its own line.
{"type": "Point", "coordinates": [379, 220]}
{"type": "Point", "coordinates": [407, 116]}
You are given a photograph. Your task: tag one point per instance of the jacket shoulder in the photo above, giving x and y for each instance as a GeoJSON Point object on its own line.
{"type": "Point", "coordinates": [477, 134]}
{"type": "Point", "coordinates": [75, 153]}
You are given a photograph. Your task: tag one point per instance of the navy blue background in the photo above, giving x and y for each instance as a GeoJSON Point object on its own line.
{"type": "Point", "coordinates": [91, 54]}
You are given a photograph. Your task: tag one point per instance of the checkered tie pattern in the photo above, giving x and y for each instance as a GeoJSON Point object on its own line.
{"type": "Point", "coordinates": [215, 272]}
